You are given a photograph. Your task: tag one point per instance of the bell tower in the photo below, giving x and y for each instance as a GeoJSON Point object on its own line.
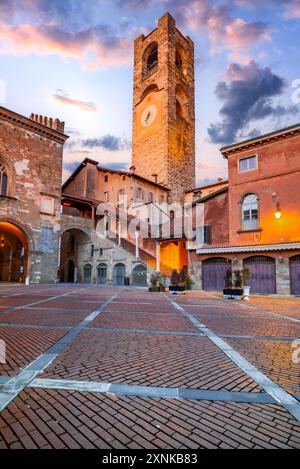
{"type": "Point", "coordinates": [164, 108]}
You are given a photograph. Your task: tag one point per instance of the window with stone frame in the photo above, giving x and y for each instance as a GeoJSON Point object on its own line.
{"type": "Point", "coordinates": [3, 181]}
{"type": "Point", "coordinates": [250, 212]}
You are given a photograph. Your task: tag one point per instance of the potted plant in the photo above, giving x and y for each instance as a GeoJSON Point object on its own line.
{"type": "Point", "coordinates": [246, 278]}
{"type": "Point", "coordinates": [154, 283]}
{"type": "Point", "coordinates": [234, 286]}
{"type": "Point", "coordinates": [175, 284]}
{"type": "Point", "coordinates": [189, 282]}
{"type": "Point", "coordinates": [162, 283]}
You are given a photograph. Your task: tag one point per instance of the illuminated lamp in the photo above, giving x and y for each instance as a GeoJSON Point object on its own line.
{"type": "Point", "coordinates": [278, 212]}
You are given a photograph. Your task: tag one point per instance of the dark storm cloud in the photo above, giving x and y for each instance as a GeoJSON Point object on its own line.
{"type": "Point", "coordinates": [247, 96]}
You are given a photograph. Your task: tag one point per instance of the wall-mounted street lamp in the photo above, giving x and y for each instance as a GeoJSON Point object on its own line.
{"type": "Point", "coordinates": [278, 213]}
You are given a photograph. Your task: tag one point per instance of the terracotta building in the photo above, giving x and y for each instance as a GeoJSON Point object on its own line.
{"type": "Point", "coordinates": [31, 153]}
{"type": "Point", "coordinates": [255, 221]}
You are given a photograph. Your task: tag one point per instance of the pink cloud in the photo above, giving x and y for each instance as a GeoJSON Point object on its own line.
{"type": "Point", "coordinates": [62, 97]}
{"type": "Point", "coordinates": [293, 11]}
{"type": "Point", "coordinates": [106, 49]}
{"type": "Point", "coordinates": [225, 32]}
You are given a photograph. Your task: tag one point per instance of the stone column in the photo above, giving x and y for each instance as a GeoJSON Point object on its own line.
{"type": "Point", "coordinates": [157, 256]}
{"type": "Point", "coordinates": [283, 276]}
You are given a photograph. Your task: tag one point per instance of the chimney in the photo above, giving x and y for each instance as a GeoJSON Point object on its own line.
{"type": "Point", "coordinates": [155, 176]}
{"type": "Point", "coordinates": [220, 179]}
{"type": "Point", "coordinates": [132, 169]}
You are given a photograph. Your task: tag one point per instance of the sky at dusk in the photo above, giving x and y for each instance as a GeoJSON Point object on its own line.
{"type": "Point", "coordinates": [73, 59]}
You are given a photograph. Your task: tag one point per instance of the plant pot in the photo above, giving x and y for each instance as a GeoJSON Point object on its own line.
{"type": "Point", "coordinates": [246, 292]}
{"type": "Point", "coordinates": [233, 293]}
{"type": "Point", "coordinates": [176, 288]}
{"type": "Point", "coordinates": [162, 289]}
{"type": "Point", "coordinates": [153, 289]}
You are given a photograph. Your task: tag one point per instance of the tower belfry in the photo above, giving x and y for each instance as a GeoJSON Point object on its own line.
{"type": "Point", "coordinates": [164, 108]}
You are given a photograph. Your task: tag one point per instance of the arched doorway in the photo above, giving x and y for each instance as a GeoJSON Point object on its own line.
{"type": "Point", "coordinates": [74, 243]}
{"type": "Point", "coordinates": [119, 273]}
{"type": "Point", "coordinates": [14, 253]}
{"type": "Point", "coordinates": [263, 274]}
{"type": "Point", "coordinates": [102, 274]}
{"type": "Point", "coordinates": [87, 273]}
{"type": "Point", "coordinates": [213, 273]}
{"type": "Point", "coordinates": [139, 276]}
{"type": "Point", "coordinates": [71, 272]}
{"type": "Point", "coordinates": [295, 275]}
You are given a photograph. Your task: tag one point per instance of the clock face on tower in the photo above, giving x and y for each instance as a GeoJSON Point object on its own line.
{"type": "Point", "coordinates": [149, 115]}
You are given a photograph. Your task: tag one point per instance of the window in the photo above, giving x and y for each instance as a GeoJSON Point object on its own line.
{"type": "Point", "coordinates": [121, 195]}
{"type": "Point", "coordinates": [101, 252]}
{"type": "Point", "coordinates": [178, 61]}
{"type": "Point", "coordinates": [247, 164]}
{"type": "Point", "coordinates": [250, 212]}
{"type": "Point", "coordinates": [92, 250]}
{"type": "Point", "coordinates": [139, 193]}
{"type": "Point", "coordinates": [106, 196]}
{"type": "Point", "coordinates": [152, 58]}
{"type": "Point", "coordinates": [203, 234]}
{"type": "Point", "coordinates": [106, 178]}
{"type": "Point", "coordinates": [3, 180]}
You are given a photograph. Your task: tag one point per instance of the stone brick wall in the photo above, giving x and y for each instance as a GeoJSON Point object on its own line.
{"type": "Point", "coordinates": [32, 153]}
{"type": "Point", "coordinates": [170, 150]}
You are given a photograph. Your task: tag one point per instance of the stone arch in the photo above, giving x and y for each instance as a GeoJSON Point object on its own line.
{"type": "Point", "coordinates": [73, 242]}
{"type": "Point", "coordinates": [102, 272]}
{"type": "Point", "coordinates": [7, 167]}
{"type": "Point", "coordinates": [181, 102]}
{"type": "Point", "coordinates": [150, 59]}
{"type": "Point", "coordinates": [16, 243]}
{"type": "Point", "coordinates": [181, 57]}
{"type": "Point", "coordinates": [139, 275]}
{"type": "Point", "coordinates": [119, 274]}
{"type": "Point", "coordinates": [153, 88]}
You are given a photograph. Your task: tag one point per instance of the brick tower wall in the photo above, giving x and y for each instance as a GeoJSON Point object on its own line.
{"type": "Point", "coordinates": [169, 151]}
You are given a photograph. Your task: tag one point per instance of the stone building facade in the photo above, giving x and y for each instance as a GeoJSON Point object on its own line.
{"type": "Point", "coordinates": [164, 108]}
{"type": "Point", "coordinates": [31, 152]}
{"type": "Point", "coordinates": [254, 222]}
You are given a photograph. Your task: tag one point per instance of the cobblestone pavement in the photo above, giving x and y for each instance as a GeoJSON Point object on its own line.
{"type": "Point", "coordinates": [106, 367]}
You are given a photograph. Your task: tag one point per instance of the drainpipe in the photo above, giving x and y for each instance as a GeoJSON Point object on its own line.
{"type": "Point", "coordinates": [137, 251]}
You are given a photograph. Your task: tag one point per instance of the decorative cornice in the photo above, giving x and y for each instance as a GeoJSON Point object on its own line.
{"type": "Point", "coordinates": [253, 248]}
{"type": "Point", "coordinates": [282, 134]}
{"type": "Point", "coordinates": [32, 126]}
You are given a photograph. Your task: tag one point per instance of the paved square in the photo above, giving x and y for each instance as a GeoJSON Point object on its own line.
{"type": "Point", "coordinates": [108, 367]}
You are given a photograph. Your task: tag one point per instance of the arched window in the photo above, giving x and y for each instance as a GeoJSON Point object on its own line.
{"type": "Point", "coordinates": [250, 212]}
{"type": "Point", "coordinates": [178, 61]}
{"type": "Point", "coordinates": [181, 102]}
{"type": "Point", "coordinates": [150, 59]}
{"type": "Point", "coordinates": [3, 180]}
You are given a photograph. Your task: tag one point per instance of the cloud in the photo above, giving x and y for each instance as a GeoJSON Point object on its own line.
{"type": "Point", "coordinates": [7, 8]}
{"type": "Point", "coordinates": [106, 142]}
{"type": "Point", "coordinates": [62, 97]}
{"type": "Point", "coordinates": [225, 31]}
{"type": "Point", "coordinates": [247, 96]}
{"type": "Point", "coordinates": [293, 10]}
{"type": "Point", "coordinates": [98, 45]}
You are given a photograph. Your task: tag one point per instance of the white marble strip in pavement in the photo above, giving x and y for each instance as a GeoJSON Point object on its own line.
{"type": "Point", "coordinates": [15, 385]}
{"type": "Point", "coordinates": [273, 389]}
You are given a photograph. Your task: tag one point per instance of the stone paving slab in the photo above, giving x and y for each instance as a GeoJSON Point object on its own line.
{"type": "Point", "coordinates": [41, 317]}
{"type": "Point", "coordinates": [61, 419]}
{"type": "Point", "coordinates": [272, 328]}
{"type": "Point", "coordinates": [275, 359]}
{"type": "Point", "coordinates": [143, 321]}
{"type": "Point", "coordinates": [150, 360]}
{"type": "Point", "coordinates": [24, 345]}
